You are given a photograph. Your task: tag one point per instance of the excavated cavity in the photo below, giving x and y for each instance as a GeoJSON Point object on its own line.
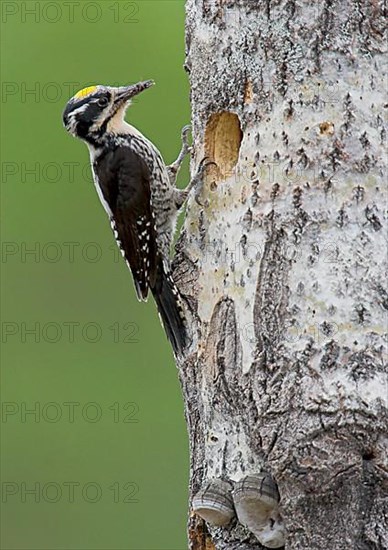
{"type": "Point", "coordinates": [223, 137]}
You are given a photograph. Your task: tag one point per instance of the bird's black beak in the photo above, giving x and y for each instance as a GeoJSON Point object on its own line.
{"type": "Point", "coordinates": [125, 93]}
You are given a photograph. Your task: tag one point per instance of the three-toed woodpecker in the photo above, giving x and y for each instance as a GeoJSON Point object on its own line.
{"type": "Point", "coordinates": [138, 192]}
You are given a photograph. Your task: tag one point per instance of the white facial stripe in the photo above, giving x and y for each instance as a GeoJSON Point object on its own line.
{"type": "Point", "coordinates": [79, 110]}
{"type": "Point", "coordinates": [72, 122]}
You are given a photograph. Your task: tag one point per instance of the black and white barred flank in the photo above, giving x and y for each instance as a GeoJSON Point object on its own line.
{"type": "Point", "coordinates": [123, 178]}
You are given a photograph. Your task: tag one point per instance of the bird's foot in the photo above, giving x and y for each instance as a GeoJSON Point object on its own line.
{"type": "Point", "coordinates": [186, 149]}
{"type": "Point", "coordinates": [198, 179]}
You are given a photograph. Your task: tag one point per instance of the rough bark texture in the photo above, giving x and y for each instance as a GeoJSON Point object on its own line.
{"type": "Point", "coordinates": [283, 265]}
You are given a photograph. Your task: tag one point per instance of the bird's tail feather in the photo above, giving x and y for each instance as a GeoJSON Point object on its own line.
{"type": "Point", "coordinates": [168, 302]}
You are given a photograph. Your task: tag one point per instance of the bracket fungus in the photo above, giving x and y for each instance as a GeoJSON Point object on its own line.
{"type": "Point", "coordinates": [214, 503]}
{"type": "Point", "coordinates": [256, 499]}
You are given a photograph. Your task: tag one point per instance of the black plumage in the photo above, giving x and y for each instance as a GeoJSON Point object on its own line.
{"type": "Point", "coordinates": [124, 179]}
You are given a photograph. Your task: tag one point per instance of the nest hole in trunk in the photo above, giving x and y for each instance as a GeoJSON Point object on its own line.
{"type": "Point", "coordinates": [223, 137]}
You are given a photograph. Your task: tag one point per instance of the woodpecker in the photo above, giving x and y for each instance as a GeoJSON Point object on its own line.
{"type": "Point", "coordinates": [137, 191]}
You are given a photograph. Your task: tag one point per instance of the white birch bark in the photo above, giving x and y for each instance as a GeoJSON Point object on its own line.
{"type": "Point", "coordinates": [284, 265]}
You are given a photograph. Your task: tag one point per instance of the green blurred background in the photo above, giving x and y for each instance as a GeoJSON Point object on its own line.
{"type": "Point", "coordinates": [93, 348]}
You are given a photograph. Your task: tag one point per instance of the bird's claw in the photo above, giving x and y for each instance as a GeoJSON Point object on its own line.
{"type": "Point", "coordinates": [198, 179]}
{"type": "Point", "coordinates": [205, 163]}
{"type": "Point", "coordinates": [186, 147]}
{"type": "Point", "coordinates": [185, 132]}
{"type": "Point", "coordinates": [197, 200]}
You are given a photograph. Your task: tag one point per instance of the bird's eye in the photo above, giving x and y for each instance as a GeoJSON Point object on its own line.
{"type": "Point", "coordinates": [103, 101]}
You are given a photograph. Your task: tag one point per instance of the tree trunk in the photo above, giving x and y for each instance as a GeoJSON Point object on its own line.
{"type": "Point", "coordinates": [282, 265]}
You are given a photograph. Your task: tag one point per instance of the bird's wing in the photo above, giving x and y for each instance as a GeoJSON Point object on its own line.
{"type": "Point", "coordinates": [124, 180]}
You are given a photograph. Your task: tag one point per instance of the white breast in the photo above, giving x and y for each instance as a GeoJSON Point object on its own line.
{"type": "Point", "coordinates": [97, 185]}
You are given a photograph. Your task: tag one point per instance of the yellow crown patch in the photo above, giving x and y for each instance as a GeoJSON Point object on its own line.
{"type": "Point", "coordinates": [85, 91]}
